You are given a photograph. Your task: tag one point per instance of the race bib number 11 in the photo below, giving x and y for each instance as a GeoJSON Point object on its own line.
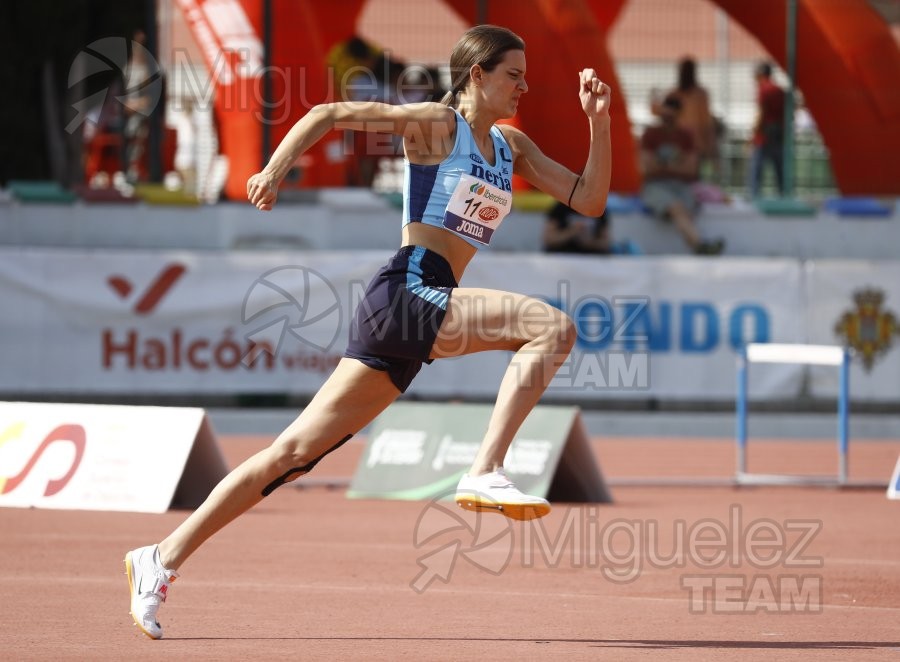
{"type": "Point", "coordinates": [476, 209]}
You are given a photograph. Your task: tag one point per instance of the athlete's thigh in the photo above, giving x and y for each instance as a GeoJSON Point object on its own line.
{"type": "Point", "coordinates": [349, 400]}
{"type": "Point", "coordinates": [478, 320]}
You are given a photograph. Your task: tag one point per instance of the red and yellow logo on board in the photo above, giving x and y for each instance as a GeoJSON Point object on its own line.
{"type": "Point", "coordinates": [70, 433]}
{"type": "Point", "coordinates": [868, 329]}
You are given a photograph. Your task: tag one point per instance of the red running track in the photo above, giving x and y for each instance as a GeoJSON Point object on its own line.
{"type": "Point", "coordinates": [311, 574]}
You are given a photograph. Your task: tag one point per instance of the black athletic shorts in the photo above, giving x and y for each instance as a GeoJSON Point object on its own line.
{"type": "Point", "coordinates": [401, 313]}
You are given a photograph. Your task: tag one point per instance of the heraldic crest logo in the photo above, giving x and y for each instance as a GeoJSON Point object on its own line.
{"type": "Point", "coordinates": [868, 329]}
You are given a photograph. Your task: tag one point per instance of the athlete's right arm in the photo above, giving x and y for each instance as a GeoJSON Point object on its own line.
{"type": "Point", "coordinates": [429, 122]}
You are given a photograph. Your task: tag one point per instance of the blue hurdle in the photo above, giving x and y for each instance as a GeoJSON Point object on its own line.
{"type": "Point", "coordinates": [793, 354]}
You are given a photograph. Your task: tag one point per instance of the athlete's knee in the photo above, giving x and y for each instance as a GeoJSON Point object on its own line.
{"type": "Point", "coordinates": [559, 333]}
{"type": "Point", "coordinates": [293, 459]}
{"type": "Point", "coordinates": [288, 454]}
{"type": "Point", "coordinates": [289, 462]}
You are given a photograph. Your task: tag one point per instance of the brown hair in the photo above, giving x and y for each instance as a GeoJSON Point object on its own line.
{"type": "Point", "coordinates": [484, 45]}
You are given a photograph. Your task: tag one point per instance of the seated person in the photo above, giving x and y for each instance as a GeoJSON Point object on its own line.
{"type": "Point", "coordinates": [348, 59]}
{"type": "Point", "coordinates": [563, 235]}
{"type": "Point", "coordinates": [669, 163]}
{"type": "Point", "coordinates": [696, 117]}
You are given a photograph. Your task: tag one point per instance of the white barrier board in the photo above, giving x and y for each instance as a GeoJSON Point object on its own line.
{"type": "Point", "coordinates": [106, 457]}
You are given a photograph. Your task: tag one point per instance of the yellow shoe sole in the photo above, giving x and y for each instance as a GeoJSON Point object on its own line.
{"type": "Point", "coordinates": [517, 511]}
{"type": "Point", "coordinates": [128, 572]}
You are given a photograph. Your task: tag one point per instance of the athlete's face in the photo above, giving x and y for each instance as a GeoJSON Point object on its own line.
{"type": "Point", "coordinates": [503, 86]}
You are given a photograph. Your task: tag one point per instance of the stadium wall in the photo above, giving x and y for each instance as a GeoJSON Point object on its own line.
{"type": "Point", "coordinates": [351, 219]}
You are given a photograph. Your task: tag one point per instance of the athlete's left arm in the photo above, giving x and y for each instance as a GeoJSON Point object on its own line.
{"type": "Point", "coordinates": [588, 191]}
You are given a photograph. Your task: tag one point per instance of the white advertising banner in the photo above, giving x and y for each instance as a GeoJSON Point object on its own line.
{"type": "Point", "coordinates": [105, 457]}
{"type": "Point", "coordinates": [857, 304]}
{"type": "Point", "coordinates": [648, 327]}
{"type": "Point", "coordinates": [169, 322]}
{"type": "Point", "coordinates": [136, 322]}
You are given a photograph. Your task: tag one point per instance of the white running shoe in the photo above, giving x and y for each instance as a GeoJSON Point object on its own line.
{"type": "Point", "coordinates": [149, 583]}
{"type": "Point", "coordinates": [495, 492]}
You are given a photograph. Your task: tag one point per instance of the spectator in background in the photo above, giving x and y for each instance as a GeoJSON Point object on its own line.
{"type": "Point", "coordinates": [419, 83]}
{"type": "Point", "coordinates": [768, 131]}
{"type": "Point", "coordinates": [563, 235]}
{"type": "Point", "coordinates": [346, 59]}
{"type": "Point", "coordinates": [378, 84]}
{"type": "Point", "coordinates": [669, 164]}
{"type": "Point", "coordinates": [695, 116]}
{"type": "Point", "coordinates": [184, 121]}
{"type": "Point", "coordinates": [387, 74]}
{"type": "Point", "coordinates": [136, 106]}
{"type": "Point", "coordinates": [585, 235]}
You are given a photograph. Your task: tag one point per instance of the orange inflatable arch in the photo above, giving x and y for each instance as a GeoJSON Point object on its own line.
{"type": "Point", "coordinates": [848, 68]}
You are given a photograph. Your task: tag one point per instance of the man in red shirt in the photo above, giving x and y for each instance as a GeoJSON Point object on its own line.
{"type": "Point", "coordinates": [669, 162]}
{"type": "Point", "coordinates": [768, 131]}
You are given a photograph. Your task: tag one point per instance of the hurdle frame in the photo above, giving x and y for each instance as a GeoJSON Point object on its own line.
{"type": "Point", "coordinates": [786, 353]}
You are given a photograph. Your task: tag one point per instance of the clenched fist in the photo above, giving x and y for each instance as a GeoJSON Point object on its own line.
{"type": "Point", "coordinates": [594, 94]}
{"type": "Point", "coordinates": [262, 191]}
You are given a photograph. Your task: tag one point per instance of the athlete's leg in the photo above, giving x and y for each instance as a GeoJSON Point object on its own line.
{"type": "Point", "coordinates": [352, 397]}
{"type": "Point", "coordinates": [542, 336]}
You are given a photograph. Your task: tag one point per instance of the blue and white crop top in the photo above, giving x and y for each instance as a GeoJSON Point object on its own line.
{"type": "Point", "coordinates": [463, 193]}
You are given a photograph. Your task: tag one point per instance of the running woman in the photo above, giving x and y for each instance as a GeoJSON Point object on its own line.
{"type": "Point", "coordinates": [457, 191]}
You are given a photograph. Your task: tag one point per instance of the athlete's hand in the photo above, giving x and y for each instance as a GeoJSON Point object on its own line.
{"type": "Point", "coordinates": [594, 94]}
{"type": "Point", "coordinates": [262, 191]}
